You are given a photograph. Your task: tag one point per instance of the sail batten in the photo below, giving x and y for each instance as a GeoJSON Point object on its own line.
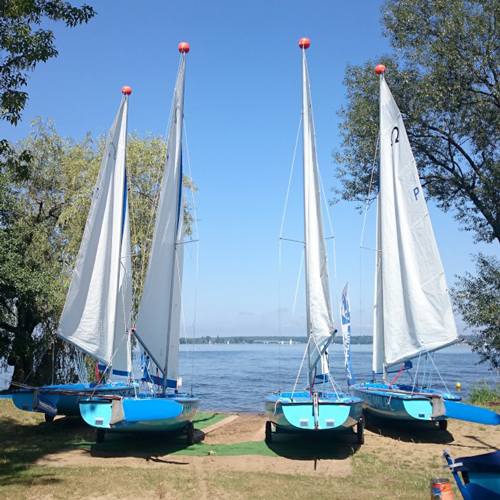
{"type": "Point", "coordinates": [318, 303]}
{"type": "Point", "coordinates": [158, 322]}
{"type": "Point", "coordinates": [96, 315]}
{"type": "Point", "coordinates": [412, 311]}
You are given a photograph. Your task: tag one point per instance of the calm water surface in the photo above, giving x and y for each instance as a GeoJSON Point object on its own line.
{"type": "Point", "coordinates": [236, 377]}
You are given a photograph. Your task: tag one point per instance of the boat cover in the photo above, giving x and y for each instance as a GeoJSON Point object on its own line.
{"type": "Point", "coordinates": [489, 462]}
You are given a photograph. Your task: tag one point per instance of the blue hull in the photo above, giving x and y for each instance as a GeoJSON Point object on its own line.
{"type": "Point", "coordinates": [477, 477]}
{"type": "Point", "coordinates": [298, 415]}
{"type": "Point", "coordinates": [55, 400]}
{"type": "Point", "coordinates": [392, 405]}
{"type": "Point", "coordinates": [144, 413]}
{"type": "Point", "coordinates": [378, 400]}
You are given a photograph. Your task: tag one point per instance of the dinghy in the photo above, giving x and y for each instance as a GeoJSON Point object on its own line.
{"type": "Point", "coordinates": [158, 322]}
{"type": "Point", "coordinates": [321, 408]}
{"type": "Point", "coordinates": [96, 315]}
{"type": "Point", "coordinates": [479, 477]}
{"type": "Point", "coordinates": [413, 316]}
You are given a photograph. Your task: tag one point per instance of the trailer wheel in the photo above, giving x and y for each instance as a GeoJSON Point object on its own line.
{"type": "Point", "coordinates": [360, 431]}
{"type": "Point", "coordinates": [190, 433]}
{"type": "Point", "coordinates": [269, 432]}
{"type": "Point", "coordinates": [100, 434]}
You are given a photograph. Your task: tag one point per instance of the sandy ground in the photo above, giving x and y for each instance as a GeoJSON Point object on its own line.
{"type": "Point", "coordinates": [422, 444]}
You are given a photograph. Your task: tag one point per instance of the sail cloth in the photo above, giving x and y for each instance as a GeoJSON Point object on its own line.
{"type": "Point", "coordinates": [318, 304]}
{"type": "Point", "coordinates": [413, 312]}
{"type": "Point", "coordinates": [96, 315]}
{"type": "Point", "coordinates": [158, 322]}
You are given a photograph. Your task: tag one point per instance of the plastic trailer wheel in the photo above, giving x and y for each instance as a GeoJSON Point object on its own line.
{"type": "Point", "coordinates": [443, 425]}
{"type": "Point", "coordinates": [100, 434]}
{"type": "Point", "coordinates": [190, 433]}
{"type": "Point", "coordinates": [360, 431]}
{"type": "Point", "coordinates": [48, 418]}
{"type": "Point", "coordinates": [269, 432]}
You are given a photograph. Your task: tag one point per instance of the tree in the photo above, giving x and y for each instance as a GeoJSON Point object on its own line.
{"type": "Point", "coordinates": [42, 221]}
{"type": "Point", "coordinates": [446, 80]}
{"type": "Point", "coordinates": [445, 76]}
{"type": "Point", "coordinates": [478, 300]}
{"type": "Point", "coordinates": [23, 44]}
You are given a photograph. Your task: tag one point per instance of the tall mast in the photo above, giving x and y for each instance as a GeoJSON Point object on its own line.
{"type": "Point", "coordinates": [318, 305]}
{"type": "Point", "coordinates": [158, 321]}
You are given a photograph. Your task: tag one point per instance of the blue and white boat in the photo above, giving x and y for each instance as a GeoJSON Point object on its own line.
{"type": "Point", "coordinates": [477, 477]}
{"type": "Point", "coordinates": [163, 409]}
{"type": "Point", "coordinates": [413, 316]}
{"type": "Point", "coordinates": [322, 408]}
{"type": "Point", "coordinates": [97, 313]}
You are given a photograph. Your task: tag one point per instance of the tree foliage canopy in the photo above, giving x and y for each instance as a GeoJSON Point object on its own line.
{"type": "Point", "coordinates": [478, 300]}
{"type": "Point", "coordinates": [42, 218]}
{"type": "Point", "coordinates": [23, 44]}
{"type": "Point", "coordinates": [445, 77]}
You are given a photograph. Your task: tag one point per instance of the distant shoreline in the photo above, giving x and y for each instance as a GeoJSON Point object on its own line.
{"type": "Point", "coordinates": [281, 339]}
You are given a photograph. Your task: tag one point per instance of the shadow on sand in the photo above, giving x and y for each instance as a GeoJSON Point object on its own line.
{"type": "Point", "coordinates": [336, 446]}
{"type": "Point", "coordinates": [414, 432]}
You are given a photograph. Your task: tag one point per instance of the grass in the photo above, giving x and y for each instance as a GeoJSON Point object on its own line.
{"type": "Point", "coordinates": [161, 472]}
{"type": "Point", "coordinates": [481, 394]}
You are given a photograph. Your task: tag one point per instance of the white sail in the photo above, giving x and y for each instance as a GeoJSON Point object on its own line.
{"type": "Point", "coordinates": [318, 304]}
{"type": "Point", "coordinates": [413, 312]}
{"type": "Point", "coordinates": [96, 315]}
{"type": "Point", "coordinates": [158, 322]}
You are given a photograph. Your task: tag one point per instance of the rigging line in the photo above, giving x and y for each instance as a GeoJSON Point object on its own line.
{"type": "Point", "coordinates": [416, 373]}
{"type": "Point", "coordinates": [367, 203]}
{"type": "Point", "coordinates": [300, 368]}
{"type": "Point", "coordinates": [328, 368]}
{"type": "Point", "coordinates": [298, 282]}
{"type": "Point", "coordinates": [279, 314]}
{"type": "Point", "coordinates": [437, 371]}
{"type": "Point", "coordinates": [290, 177]}
{"type": "Point", "coordinates": [330, 223]}
{"type": "Point", "coordinates": [197, 257]}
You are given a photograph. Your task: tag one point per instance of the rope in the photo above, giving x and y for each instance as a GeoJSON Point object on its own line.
{"type": "Point", "coordinates": [367, 203]}
{"type": "Point", "coordinates": [300, 368]}
{"type": "Point", "coordinates": [195, 217]}
{"type": "Point", "coordinates": [279, 253]}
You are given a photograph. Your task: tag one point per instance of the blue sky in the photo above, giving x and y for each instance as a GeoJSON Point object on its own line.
{"type": "Point", "coordinates": [242, 109]}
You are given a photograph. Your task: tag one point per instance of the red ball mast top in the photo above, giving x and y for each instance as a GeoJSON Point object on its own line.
{"type": "Point", "coordinates": [184, 47]}
{"type": "Point", "coordinates": [304, 43]}
{"type": "Point", "coordinates": [126, 90]}
{"type": "Point", "coordinates": [380, 69]}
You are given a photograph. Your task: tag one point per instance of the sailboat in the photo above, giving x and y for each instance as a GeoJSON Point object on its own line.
{"type": "Point", "coordinates": [96, 315]}
{"type": "Point", "coordinates": [158, 322]}
{"type": "Point", "coordinates": [413, 316]}
{"type": "Point", "coordinates": [320, 408]}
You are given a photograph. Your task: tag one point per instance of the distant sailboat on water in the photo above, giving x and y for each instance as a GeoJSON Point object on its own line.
{"type": "Point", "coordinates": [413, 316]}
{"type": "Point", "coordinates": [97, 313]}
{"type": "Point", "coordinates": [158, 323]}
{"type": "Point", "coordinates": [320, 408]}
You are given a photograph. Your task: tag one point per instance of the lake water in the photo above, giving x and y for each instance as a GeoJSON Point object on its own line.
{"type": "Point", "coordinates": [236, 377]}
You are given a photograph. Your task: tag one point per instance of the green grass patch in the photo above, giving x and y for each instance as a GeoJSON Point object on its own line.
{"type": "Point", "coordinates": [482, 394]}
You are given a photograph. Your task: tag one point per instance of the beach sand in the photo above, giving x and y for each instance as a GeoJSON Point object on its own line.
{"type": "Point", "coordinates": [422, 444]}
